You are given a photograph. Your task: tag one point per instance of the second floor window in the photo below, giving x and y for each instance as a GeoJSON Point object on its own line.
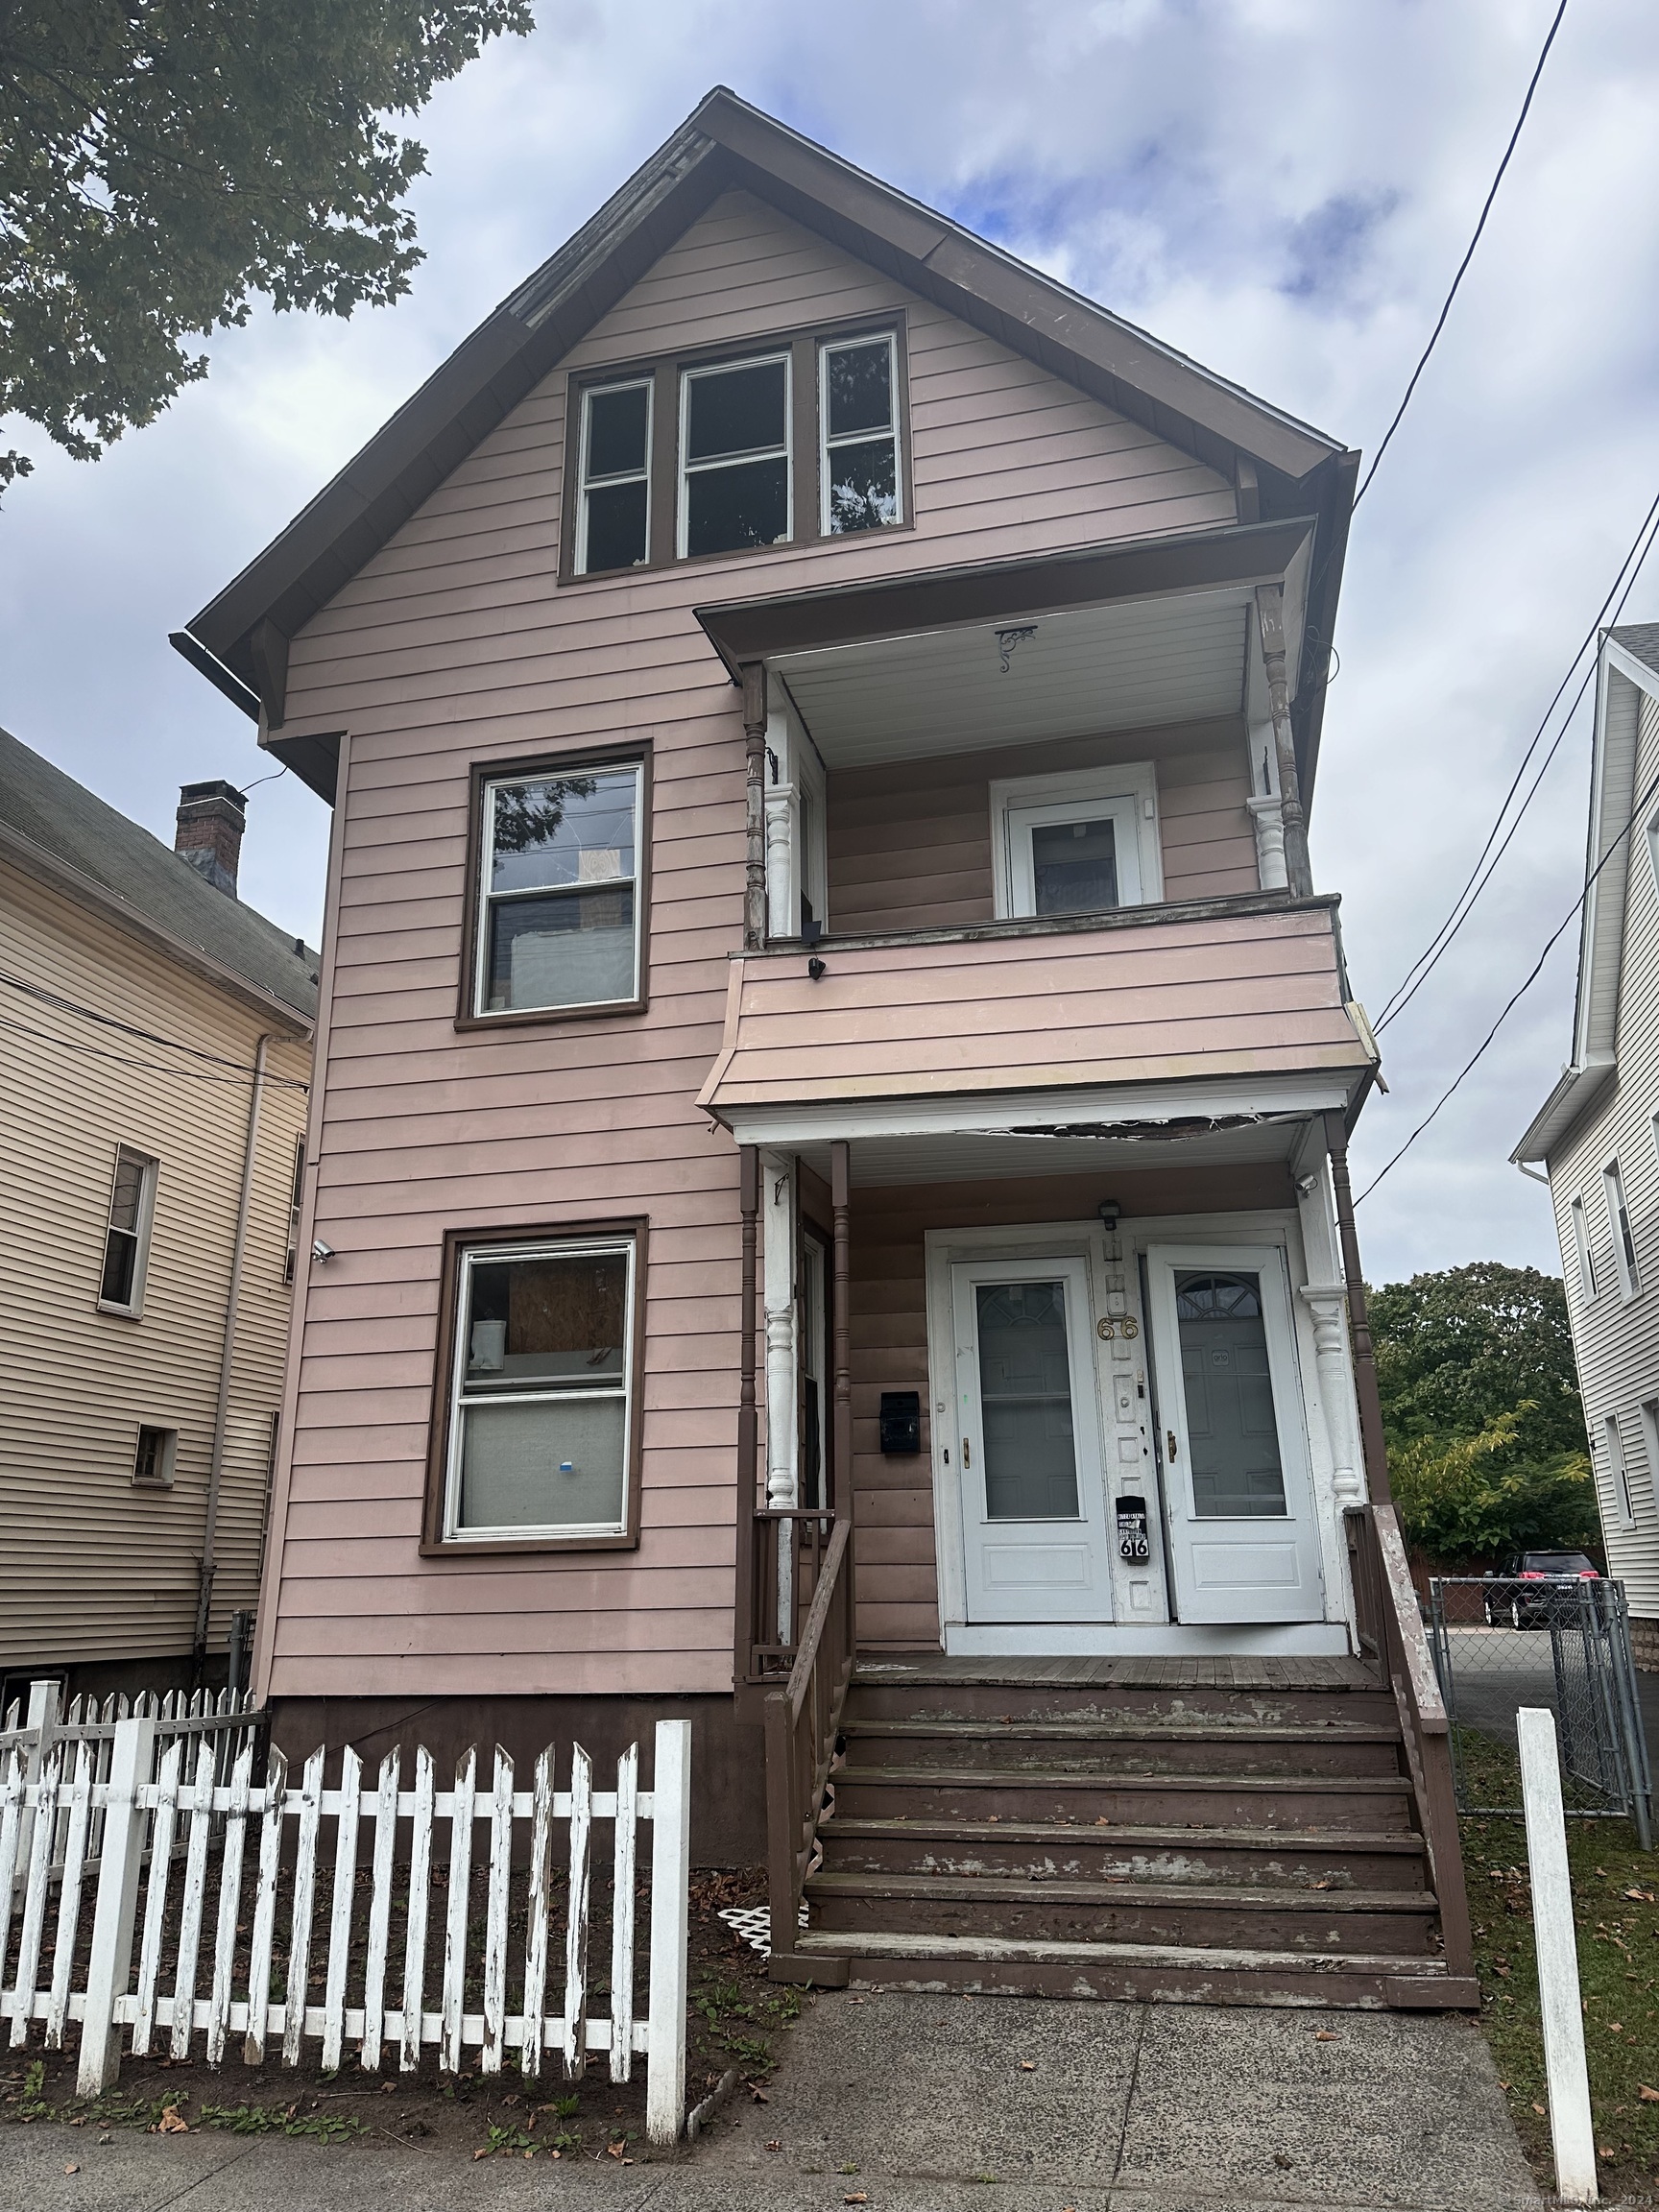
{"type": "Point", "coordinates": [859, 425]}
{"type": "Point", "coordinates": [126, 1233]}
{"type": "Point", "coordinates": [558, 907]}
{"type": "Point", "coordinates": [1619, 1220]}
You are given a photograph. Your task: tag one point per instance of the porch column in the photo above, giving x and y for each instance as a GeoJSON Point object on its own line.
{"type": "Point", "coordinates": [840, 1198]}
{"type": "Point", "coordinates": [778, 1254]}
{"type": "Point", "coordinates": [1359, 1320]}
{"type": "Point", "coordinates": [1271, 630]}
{"type": "Point", "coordinates": [745, 1624]}
{"type": "Point", "coordinates": [1326, 1304]}
{"type": "Point", "coordinates": [755, 805]}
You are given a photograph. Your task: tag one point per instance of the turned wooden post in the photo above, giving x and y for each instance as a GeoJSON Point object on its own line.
{"type": "Point", "coordinates": [755, 805]}
{"type": "Point", "coordinates": [1359, 1320]}
{"type": "Point", "coordinates": [1270, 624]}
{"type": "Point", "coordinates": [748, 1423]}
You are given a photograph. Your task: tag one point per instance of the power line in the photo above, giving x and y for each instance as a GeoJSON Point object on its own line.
{"type": "Point", "coordinates": [1420, 970]}
{"type": "Point", "coordinates": [1537, 969]}
{"type": "Point", "coordinates": [1462, 266]}
{"type": "Point", "coordinates": [62, 1005]}
{"type": "Point", "coordinates": [150, 1066]}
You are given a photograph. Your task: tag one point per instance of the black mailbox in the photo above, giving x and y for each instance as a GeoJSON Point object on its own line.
{"type": "Point", "coordinates": [901, 1421]}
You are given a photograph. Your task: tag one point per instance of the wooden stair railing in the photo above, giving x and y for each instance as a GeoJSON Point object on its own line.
{"type": "Point", "coordinates": [803, 1719]}
{"type": "Point", "coordinates": [1390, 1631]}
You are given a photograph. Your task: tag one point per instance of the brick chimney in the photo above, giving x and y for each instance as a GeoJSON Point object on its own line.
{"type": "Point", "coordinates": [211, 819]}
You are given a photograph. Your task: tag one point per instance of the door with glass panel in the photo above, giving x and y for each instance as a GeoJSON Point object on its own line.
{"type": "Point", "coordinates": [1237, 1486]}
{"type": "Point", "coordinates": [1025, 1447]}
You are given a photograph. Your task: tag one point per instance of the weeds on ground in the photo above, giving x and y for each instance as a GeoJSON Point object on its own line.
{"type": "Point", "coordinates": [1616, 1908]}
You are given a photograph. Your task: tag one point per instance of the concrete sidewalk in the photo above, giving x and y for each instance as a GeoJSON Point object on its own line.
{"type": "Point", "coordinates": [919, 2103]}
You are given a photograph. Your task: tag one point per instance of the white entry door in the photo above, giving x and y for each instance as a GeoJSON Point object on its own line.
{"type": "Point", "coordinates": [1027, 1442]}
{"type": "Point", "coordinates": [1236, 1484]}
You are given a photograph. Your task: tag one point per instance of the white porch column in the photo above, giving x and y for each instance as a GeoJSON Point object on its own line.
{"type": "Point", "coordinates": [782, 838]}
{"type": "Point", "coordinates": [1327, 1304]}
{"type": "Point", "coordinates": [778, 1248]}
{"type": "Point", "coordinates": [1268, 816]}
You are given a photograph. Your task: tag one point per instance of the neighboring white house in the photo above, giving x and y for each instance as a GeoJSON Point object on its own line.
{"type": "Point", "coordinates": [1598, 1132]}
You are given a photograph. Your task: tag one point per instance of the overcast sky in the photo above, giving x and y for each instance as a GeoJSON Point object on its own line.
{"type": "Point", "coordinates": [1283, 188]}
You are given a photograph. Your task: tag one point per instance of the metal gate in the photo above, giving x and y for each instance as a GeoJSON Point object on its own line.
{"type": "Point", "coordinates": [1501, 1643]}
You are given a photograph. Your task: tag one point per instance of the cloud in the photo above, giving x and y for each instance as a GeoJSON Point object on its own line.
{"type": "Point", "coordinates": [1280, 187]}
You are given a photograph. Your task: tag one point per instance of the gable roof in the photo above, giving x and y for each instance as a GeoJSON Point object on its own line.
{"type": "Point", "coordinates": [1628, 667]}
{"type": "Point", "coordinates": [56, 828]}
{"type": "Point", "coordinates": [239, 640]}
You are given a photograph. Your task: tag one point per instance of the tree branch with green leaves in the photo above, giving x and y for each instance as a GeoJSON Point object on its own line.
{"type": "Point", "coordinates": [164, 163]}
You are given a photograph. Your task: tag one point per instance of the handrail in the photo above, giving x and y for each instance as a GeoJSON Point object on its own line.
{"type": "Point", "coordinates": [1390, 1626]}
{"type": "Point", "coordinates": [802, 1718]}
{"type": "Point", "coordinates": [812, 1632]}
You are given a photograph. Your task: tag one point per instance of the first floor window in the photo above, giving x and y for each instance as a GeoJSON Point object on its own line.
{"type": "Point", "coordinates": [559, 919]}
{"type": "Point", "coordinates": [541, 1412]}
{"type": "Point", "coordinates": [152, 1462]}
{"type": "Point", "coordinates": [127, 1232]}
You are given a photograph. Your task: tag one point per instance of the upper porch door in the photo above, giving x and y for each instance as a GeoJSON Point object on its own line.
{"type": "Point", "coordinates": [1028, 1440]}
{"type": "Point", "coordinates": [1237, 1488]}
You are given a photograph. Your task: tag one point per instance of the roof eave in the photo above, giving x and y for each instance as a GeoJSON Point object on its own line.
{"type": "Point", "coordinates": [1580, 1088]}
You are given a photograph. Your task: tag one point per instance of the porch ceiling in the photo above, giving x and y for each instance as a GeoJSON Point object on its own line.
{"type": "Point", "coordinates": [1127, 665]}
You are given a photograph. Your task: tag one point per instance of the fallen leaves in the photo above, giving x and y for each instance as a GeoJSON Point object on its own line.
{"type": "Point", "coordinates": [1326, 2035]}
{"type": "Point", "coordinates": [1647, 2096]}
{"type": "Point", "coordinates": [855, 2196]}
{"type": "Point", "coordinates": [775, 2144]}
{"type": "Point", "coordinates": [71, 2168]}
{"type": "Point", "coordinates": [170, 2122]}
{"type": "Point", "coordinates": [1641, 1896]}
{"type": "Point", "coordinates": [1028, 2065]}
{"type": "Point", "coordinates": [1539, 2109]}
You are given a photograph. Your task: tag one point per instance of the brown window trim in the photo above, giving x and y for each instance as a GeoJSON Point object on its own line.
{"type": "Point", "coordinates": [434, 1545]}
{"type": "Point", "coordinates": [663, 461]}
{"type": "Point", "coordinates": [484, 772]}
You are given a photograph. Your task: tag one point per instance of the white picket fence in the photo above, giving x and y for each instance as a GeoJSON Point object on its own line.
{"type": "Point", "coordinates": [150, 1800]}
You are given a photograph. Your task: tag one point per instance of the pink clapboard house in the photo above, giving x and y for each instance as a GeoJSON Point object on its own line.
{"type": "Point", "coordinates": [826, 1167]}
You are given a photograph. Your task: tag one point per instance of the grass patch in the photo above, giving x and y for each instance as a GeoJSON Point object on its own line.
{"type": "Point", "coordinates": [1616, 1909]}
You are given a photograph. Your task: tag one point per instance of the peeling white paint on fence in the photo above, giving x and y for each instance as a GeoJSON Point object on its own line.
{"type": "Point", "coordinates": [144, 1797]}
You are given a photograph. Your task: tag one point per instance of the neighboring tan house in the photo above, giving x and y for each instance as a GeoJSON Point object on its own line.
{"type": "Point", "coordinates": [155, 1056]}
{"type": "Point", "coordinates": [820, 720]}
{"type": "Point", "coordinates": [1597, 1135]}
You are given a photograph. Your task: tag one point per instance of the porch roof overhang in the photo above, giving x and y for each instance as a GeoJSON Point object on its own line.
{"type": "Point", "coordinates": [1103, 1128]}
{"type": "Point", "coordinates": [1112, 638]}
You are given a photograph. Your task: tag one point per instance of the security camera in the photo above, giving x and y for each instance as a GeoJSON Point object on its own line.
{"type": "Point", "coordinates": [322, 1251]}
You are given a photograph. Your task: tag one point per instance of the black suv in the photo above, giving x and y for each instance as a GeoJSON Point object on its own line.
{"type": "Point", "coordinates": [1527, 1591]}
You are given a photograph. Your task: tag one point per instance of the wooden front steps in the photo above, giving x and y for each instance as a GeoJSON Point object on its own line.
{"type": "Point", "coordinates": [1221, 1831]}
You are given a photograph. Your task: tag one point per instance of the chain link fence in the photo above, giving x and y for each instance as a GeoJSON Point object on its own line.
{"type": "Point", "coordinates": [1503, 1642]}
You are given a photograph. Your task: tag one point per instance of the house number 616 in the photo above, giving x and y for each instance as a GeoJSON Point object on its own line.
{"type": "Point", "coordinates": [1127, 1327]}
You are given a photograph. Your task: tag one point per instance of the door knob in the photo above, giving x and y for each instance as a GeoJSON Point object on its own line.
{"type": "Point", "coordinates": [1169, 1434]}
{"type": "Point", "coordinates": [967, 1459]}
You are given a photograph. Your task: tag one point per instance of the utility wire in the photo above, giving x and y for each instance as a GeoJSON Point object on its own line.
{"type": "Point", "coordinates": [150, 1066]}
{"type": "Point", "coordinates": [62, 1005]}
{"type": "Point", "coordinates": [1426, 962]}
{"type": "Point", "coordinates": [1537, 969]}
{"type": "Point", "coordinates": [1462, 266]}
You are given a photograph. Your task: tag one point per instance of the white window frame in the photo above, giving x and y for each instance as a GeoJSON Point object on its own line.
{"type": "Point", "coordinates": [1618, 1467]}
{"type": "Point", "coordinates": [166, 1456]}
{"type": "Point", "coordinates": [641, 475]}
{"type": "Point", "coordinates": [150, 1175]}
{"type": "Point", "coordinates": [1126, 794]}
{"type": "Point", "coordinates": [827, 445]}
{"type": "Point", "coordinates": [1623, 1236]}
{"type": "Point", "coordinates": [296, 1195]}
{"type": "Point", "coordinates": [460, 1399]}
{"type": "Point", "coordinates": [481, 1007]}
{"type": "Point", "coordinates": [1588, 1287]}
{"type": "Point", "coordinates": [1651, 1446]}
{"type": "Point", "coordinates": [686, 469]}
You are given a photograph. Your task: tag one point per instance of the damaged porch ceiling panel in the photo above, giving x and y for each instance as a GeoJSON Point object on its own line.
{"type": "Point", "coordinates": [1139, 666]}
{"type": "Point", "coordinates": [970, 1156]}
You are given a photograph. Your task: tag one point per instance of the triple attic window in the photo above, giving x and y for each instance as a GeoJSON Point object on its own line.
{"type": "Point", "coordinates": [739, 480]}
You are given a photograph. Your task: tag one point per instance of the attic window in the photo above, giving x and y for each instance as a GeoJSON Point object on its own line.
{"type": "Point", "coordinates": [858, 424]}
{"type": "Point", "coordinates": [734, 450]}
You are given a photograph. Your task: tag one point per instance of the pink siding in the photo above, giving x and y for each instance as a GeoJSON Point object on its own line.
{"type": "Point", "coordinates": [454, 644]}
{"type": "Point", "coordinates": [1161, 1002]}
{"type": "Point", "coordinates": [909, 845]}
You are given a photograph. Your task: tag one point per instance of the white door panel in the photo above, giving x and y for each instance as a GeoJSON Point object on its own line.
{"type": "Point", "coordinates": [1028, 1441]}
{"type": "Point", "coordinates": [1237, 1488]}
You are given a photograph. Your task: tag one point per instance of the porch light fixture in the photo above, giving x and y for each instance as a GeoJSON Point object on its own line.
{"type": "Point", "coordinates": [1110, 1212]}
